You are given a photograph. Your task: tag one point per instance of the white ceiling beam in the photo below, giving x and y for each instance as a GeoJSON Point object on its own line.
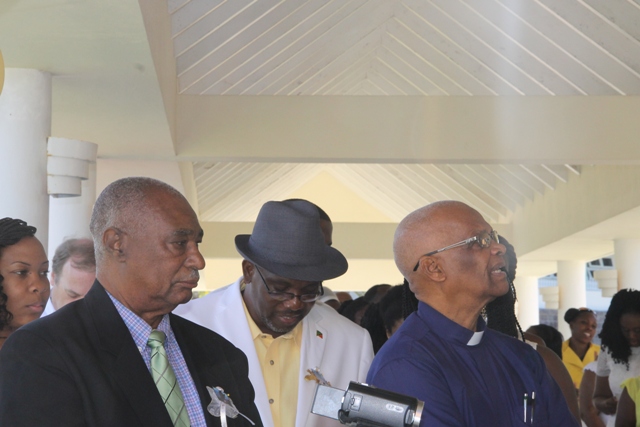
{"type": "Point", "coordinates": [484, 130]}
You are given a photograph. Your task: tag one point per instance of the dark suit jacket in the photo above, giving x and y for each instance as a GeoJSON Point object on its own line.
{"type": "Point", "coordinates": [80, 367]}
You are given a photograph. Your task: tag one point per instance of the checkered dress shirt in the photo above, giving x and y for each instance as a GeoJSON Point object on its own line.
{"type": "Point", "coordinates": [140, 331]}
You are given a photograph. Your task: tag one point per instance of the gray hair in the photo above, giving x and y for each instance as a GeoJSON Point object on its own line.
{"type": "Point", "coordinates": [79, 251]}
{"type": "Point", "coordinates": [121, 205]}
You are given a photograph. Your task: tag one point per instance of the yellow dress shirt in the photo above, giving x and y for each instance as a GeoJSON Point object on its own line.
{"type": "Point", "coordinates": [280, 362]}
{"type": "Point", "coordinates": [573, 363]}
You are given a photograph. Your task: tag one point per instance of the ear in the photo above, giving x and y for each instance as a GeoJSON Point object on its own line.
{"type": "Point", "coordinates": [434, 269]}
{"type": "Point", "coordinates": [114, 241]}
{"type": "Point", "coordinates": [247, 271]}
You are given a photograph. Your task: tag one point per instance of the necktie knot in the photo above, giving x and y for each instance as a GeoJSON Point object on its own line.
{"type": "Point", "coordinates": [156, 339]}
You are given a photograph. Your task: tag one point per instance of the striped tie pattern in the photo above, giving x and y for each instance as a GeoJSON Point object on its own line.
{"type": "Point", "coordinates": [165, 380]}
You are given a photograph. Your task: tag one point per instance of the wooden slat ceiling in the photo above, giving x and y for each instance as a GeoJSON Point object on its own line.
{"type": "Point", "coordinates": [410, 47]}
{"type": "Point", "coordinates": [229, 191]}
{"type": "Point", "coordinates": [392, 47]}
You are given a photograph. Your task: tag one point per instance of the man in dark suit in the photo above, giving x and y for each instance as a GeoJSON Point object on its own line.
{"type": "Point", "coordinates": [118, 357]}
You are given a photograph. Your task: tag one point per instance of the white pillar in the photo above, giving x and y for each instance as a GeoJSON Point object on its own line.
{"type": "Point", "coordinates": [528, 309]}
{"type": "Point", "coordinates": [627, 255]}
{"type": "Point", "coordinates": [25, 125]}
{"type": "Point", "coordinates": [72, 186]}
{"type": "Point", "coordinates": [572, 289]}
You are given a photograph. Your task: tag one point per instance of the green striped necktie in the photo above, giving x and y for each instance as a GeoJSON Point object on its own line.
{"type": "Point", "coordinates": [165, 380]}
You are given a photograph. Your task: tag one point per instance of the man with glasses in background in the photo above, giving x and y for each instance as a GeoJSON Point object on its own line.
{"type": "Point", "coordinates": [443, 354]}
{"type": "Point", "coordinates": [272, 314]}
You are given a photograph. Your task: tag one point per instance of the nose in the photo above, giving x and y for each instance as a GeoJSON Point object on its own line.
{"type": "Point", "coordinates": [294, 303]}
{"type": "Point", "coordinates": [195, 259]}
{"type": "Point", "coordinates": [40, 284]}
{"type": "Point", "coordinates": [498, 248]}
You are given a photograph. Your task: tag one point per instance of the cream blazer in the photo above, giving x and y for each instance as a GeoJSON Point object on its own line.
{"type": "Point", "coordinates": [340, 349]}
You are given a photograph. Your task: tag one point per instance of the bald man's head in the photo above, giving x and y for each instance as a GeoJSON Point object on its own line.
{"type": "Point", "coordinates": [452, 259]}
{"type": "Point", "coordinates": [427, 229]}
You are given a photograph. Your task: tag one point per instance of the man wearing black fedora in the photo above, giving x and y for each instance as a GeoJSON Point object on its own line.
{"type": "Point", "coordinates": [271, 313]}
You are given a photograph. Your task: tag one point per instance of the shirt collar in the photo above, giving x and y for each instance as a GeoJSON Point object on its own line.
{"type": "Point", "coordinates": [140, 329]}
{"type": "Point", "coordinates": [449, 330]}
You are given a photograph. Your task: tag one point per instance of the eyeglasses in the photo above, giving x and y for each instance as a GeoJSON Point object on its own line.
{"type": "Point", "coordinates": [482, 239]}
{"type": "Point", "coordinates": [288, 296]}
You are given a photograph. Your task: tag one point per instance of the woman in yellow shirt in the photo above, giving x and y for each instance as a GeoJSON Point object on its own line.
{"type": "Point", "coordinates": [578, 351]}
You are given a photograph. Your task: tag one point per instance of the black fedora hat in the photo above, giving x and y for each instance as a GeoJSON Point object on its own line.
{"type": "Point", "coordinates": [287, 240]}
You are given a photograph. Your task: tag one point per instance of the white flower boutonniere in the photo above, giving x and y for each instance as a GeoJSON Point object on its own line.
{"type": "Point", "coordinates": [222, 406]}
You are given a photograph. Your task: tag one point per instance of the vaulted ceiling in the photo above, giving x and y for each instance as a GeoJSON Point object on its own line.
{"type": "Point", "coordinates": [410, 47]}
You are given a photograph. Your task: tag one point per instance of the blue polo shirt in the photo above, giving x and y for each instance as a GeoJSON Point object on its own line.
{"type": "Point", "coordinates": [465, 378]}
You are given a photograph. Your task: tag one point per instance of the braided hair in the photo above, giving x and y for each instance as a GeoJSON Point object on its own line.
{"type": "Point", "coordinates": [626, 301]}
{"type": "Point", "coordinates": [409, 300]}
{"type": "Point", "coordinates": [11, 232]}
{"type": "Point", "coordinates": [500, 312]}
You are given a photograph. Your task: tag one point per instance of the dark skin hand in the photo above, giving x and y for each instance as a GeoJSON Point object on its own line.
{"type": "Point", "coordinates": [588, 411]}
{"type": "Point", "coordinates": [603, 398]}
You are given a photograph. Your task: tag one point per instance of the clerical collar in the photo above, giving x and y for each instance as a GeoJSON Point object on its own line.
{"type": "Point", "coordinates": [448, 329]}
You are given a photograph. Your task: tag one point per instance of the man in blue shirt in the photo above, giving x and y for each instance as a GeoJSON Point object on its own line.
{"type": "Point", "coordinates": [443, 354]}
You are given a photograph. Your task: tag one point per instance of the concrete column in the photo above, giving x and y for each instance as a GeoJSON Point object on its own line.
{"type": "Point", "coordinates": [72, 185]}
{"type": "Point", "coordinates": [25, 125]}
{"type": "Point", "coordinates": [627, 254]}
{"type": "Point", "coordinates": [527, 292]}
{"type": "Point", "coordinates": [572, 289]}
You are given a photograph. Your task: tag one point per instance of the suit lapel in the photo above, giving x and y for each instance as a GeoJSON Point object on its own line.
{"type": "Point", "coordinates": [202, 372]}
{"type": "Point", "coordinates": [239, 333]}
{"type": "Point", "coordinates": [122, 361]}
{"type": "Point", "coordinates": [314, 337]}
